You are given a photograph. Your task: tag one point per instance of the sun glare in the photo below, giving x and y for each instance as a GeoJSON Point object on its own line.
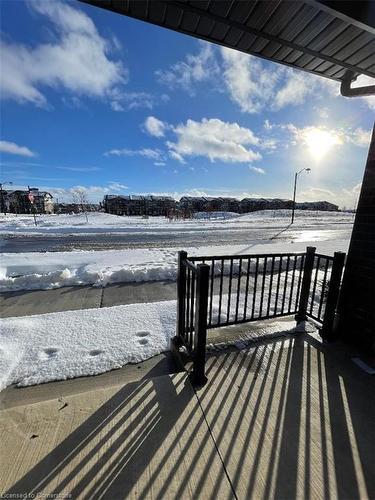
{"type": "Point", "coordinates": [320, 142]}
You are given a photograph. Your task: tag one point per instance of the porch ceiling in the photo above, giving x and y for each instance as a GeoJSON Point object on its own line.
{"type": "Point", "coordinates": [326, 38]}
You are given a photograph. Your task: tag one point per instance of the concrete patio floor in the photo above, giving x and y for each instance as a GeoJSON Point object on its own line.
{"type": "Point", "coordinates": [288, 418]}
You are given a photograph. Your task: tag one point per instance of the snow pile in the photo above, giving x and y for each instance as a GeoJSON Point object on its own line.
{"type": "Point", "coordinates": [28, 271]}
{"type": "Point", "coordinates": [33, 270]}
{"type": "Point", "coordinates": [57, 346]}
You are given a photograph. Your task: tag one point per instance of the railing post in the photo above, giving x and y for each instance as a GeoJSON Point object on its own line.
{"type": "Point", "coordinates": [200, 327]}
{"type": "Point", "coordinates": [305, 287]}
{"type": "Point", "coordinates": [181, 288]}
{"type": "Point", "coordinates": [327, 330]}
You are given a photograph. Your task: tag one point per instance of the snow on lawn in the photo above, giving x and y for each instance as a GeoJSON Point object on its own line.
{"type": "Point", "coordinates": [33, 270]}
{"type": "Point", "coordinates": [58, 346]}
{"type": "Point", "coordinates": [106, 223]}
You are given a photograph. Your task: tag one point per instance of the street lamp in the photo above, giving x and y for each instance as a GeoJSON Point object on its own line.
{"type": "Point", "coordinates": [2, 203]}
{"type": "Point", "coordinates": [295, 189]}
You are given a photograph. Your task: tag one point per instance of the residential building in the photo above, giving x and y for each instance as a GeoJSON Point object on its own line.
{"type": "Point", "coordinates": [255, 204]}
{"type": "Point", "coordinates": [193, 203]}
{"type": "Point", "coordinates": [138, 205]}
{"type": "Point", "coordinates": [317, 205]}
{"type": "Point", "coordinates": [18, 202]}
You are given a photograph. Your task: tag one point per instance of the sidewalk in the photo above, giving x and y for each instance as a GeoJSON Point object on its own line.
{"type": "Point", "coordinates": [26, 303]}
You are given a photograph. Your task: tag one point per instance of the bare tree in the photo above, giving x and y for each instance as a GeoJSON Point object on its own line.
{"type": "Point", "coordinates": [79, 197]}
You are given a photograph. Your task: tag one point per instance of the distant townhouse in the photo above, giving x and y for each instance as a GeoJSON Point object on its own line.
{"type": "Point", "coordinates": [255, 204]}
{"type": "Point", "coordinates": [43, 202]}
{"type": "Point", "coordinates": [138, 205]}
{"type": "Point", "coordinates": [160, 205]}
{"type": "Point", "coordinates": [229, 205]}
{"type": "Point", "coordinates": [193, 203]}
{"type": "Point", "coordinates": [116, 204]}
{"type": "Point", "coordinates": [317, 205]}
{"type": "Point", "coordinates": [165, 205]}
{"type": "Point", "coordinates": [4, 200]}
{"type": "Point", "coordinates": [209, 204]}
{"type": "Point", "coordinates": [19, 202]}
{"type": "Point", "coordinates": [75, 208]}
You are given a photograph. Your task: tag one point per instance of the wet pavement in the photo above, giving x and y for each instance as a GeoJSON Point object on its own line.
{"type": "Point", "coordinates": [145, 239]}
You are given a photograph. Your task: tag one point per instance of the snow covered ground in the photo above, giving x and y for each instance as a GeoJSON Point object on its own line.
{"type": "Point", "coordinates": [58, 346]}
{"type": "Point", "coordinates": [33, 270]}
{"type": "Point", "coordinates": [106, 223]}
{"type": "Point", "coordinates": [44, 270]}
{"type": "Point", "coordinates": [62, 345]}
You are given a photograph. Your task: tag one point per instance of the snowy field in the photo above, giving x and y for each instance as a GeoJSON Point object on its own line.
{"type": "Point", "coordinates": [106, 223]}
{"type": "Point", "coordinates": [260, 232]}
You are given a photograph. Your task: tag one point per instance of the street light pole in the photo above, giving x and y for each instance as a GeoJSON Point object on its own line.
{"type": "Point", "coordinates": [2, 203]}
{"type": "Point", "coordinates": [295, 190]}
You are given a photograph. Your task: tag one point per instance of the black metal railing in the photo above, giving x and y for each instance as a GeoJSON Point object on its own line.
{"type": "Point", "coordinates": [215, 291]}
{"type": "Point", "coordinates": [320, 280]}
{"type": "Point", "coordinates": [192, 299]}
{"type": "Point", "coordinates": [251, 287]}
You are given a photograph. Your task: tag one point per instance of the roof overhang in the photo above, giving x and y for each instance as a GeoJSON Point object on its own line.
{"type": "Point", "coordinates": [333, 39]}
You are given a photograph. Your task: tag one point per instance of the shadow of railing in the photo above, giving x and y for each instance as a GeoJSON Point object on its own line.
{"type": "Point", "coordinates": [290, 418]}
{"type": "Point", "coordinates": [135, 445]}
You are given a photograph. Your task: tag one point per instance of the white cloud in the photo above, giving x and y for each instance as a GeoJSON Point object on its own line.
{"type": "Point", "coordinates": [125, 101]}
{"type": "Point", "coordinates": [15, 149]}
{"type": "Point", "coordinates": [249, 83]}
{"type": "Point", "coordinates": [214, 139]}
{"type": "Point", "coordinates": [80, 169]}
{"type": "Point", "coordinates": [268, 125]}
{"type": "Point", "coordinates": [258, 170]}
{"type": "Point", "coordinates": [364, 81]}
{"type": "Point", "coordinates": [154, 126]}
{"type": "Point", "coordinates": [359, 137]}
{"type": "Point", "coordinates": [194, 69]}
{"type": "Point", "coordinates": [254, 86]}
{"type": "Point", "coordinates": [346, 197]}
{"type": "Point", "coordinates": [315, 194]}
{"type": "Point", "coordinates": [93, 194]}
{"type": "Point", "coordinates": [297, 86]}
{"type": "Point", "coordinates": [350, 196]}
{"type": "Point", "coordinates": [176, 156]}
{"type": "Point", "coordinates": [78, 59]}
{"type": "Point", "coordinates": [269, 144]}
{"type": "Point", "coordinates": [117, 186]}
{"type": "Point", "coordinates": [151, 154]}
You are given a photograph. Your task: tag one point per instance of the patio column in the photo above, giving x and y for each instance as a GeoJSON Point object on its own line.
{"type": "Point", "coordinates": [356, 320]}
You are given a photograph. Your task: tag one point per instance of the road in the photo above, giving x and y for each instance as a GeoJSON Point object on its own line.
{"type": "Point", "coordinates": [140, 238]}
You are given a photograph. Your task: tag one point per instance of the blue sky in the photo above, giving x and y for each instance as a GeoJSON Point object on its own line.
{"type": "Point", "coordinates": [100, 101]}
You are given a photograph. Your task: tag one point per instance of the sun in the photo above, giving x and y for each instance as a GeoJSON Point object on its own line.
{"type": "Point", "coordinates": [319, 142]}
